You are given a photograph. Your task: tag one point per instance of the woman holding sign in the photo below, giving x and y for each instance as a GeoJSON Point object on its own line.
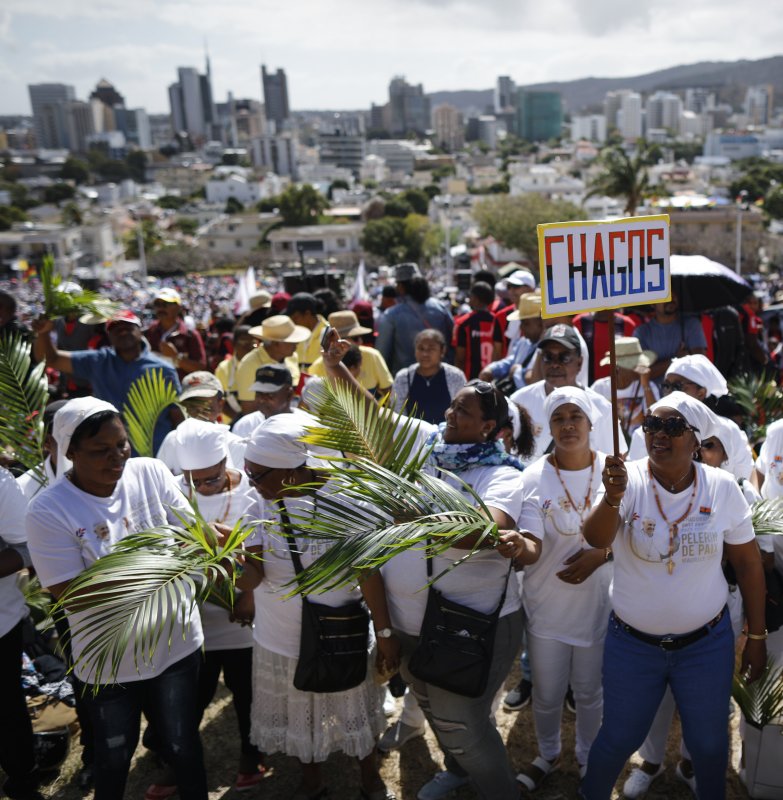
{"type": "Point", "coordinates": [668, 519]}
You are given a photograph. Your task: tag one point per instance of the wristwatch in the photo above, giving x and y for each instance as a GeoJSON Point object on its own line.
{"type": "Point", "coordinates": [384, 633]}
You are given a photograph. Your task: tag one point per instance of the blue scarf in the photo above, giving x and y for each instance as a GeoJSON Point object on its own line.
{"type": "Point", "coordinates": [460, 457]}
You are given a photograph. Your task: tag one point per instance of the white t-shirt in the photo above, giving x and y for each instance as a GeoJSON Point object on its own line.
{"type": "Point", "coordinates": [631, 402]}
{"type": "Point", "coordinates": [220, 633]}
{"type": "Point", "coordinates": [235, 444]}
{"type": "Point", "coordinates": [476, 583]}
{"type": "Point", "coordinates": [644, 594]}
{"type": "Point", "coordinates": [278, 619]}
{"type": "Point", "coordinates": [532, 398]}
{"type": "Point", "coordinates": [568, 612]}
{"type": "Point", "coordinates": [13, 504]}
{"type": "Point", "coordinates": [30, 485]}
{"type": "Point", "coordinates": [69, 529]}
{"type": "Point", "coordinates": [770, 461]}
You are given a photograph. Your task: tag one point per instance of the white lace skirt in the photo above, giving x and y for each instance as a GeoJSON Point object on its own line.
{"type": "Point", "coordinates": [307, 725]}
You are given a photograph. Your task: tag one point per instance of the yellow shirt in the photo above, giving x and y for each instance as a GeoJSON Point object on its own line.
{"type": "Point", "coordinates": [374, 374]}
{"type": "Point", "coordinates": [309, 350]}
{"type": "Point", "coordinates": [246, 373]}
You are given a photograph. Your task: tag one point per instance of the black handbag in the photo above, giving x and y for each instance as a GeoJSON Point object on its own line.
{"type": "Point", "coordinates": [333, 640]}
{"type": "Point", "coordinates": [455, 644]}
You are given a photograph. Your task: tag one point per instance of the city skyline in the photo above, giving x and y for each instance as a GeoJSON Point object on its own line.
{"type": "Point", "coordinates": [346, 60]}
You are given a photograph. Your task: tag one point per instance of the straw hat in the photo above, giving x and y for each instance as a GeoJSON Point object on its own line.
{"type": "Point", "coordinates": [629, 354]}
{"type": "Point", "coordinates": [529, 307]}
{"type": "Point", "coordinates": [346, 323]}
{"type": "Point", "coordinates": [280, 328]}
{"type": "Point", "coordinates": [261, 299]}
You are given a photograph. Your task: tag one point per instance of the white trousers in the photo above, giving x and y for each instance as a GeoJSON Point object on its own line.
{"type": "Point", "coordinates": [553, 665]}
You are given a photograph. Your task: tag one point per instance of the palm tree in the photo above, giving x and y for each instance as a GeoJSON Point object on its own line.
{"type": "Point", "coordinates": [624, 176]}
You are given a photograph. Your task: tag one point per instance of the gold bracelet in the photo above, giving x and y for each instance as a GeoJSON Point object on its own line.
{"type": "Point", "coordinates": [612, 505]}
{"type": "Point", "coordinates": [758, 637]}
{"type": "Point", "coordinates": [608, 554]}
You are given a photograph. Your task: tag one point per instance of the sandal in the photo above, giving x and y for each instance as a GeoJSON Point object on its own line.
{"type": "Point", "coordinates": [533, 776]}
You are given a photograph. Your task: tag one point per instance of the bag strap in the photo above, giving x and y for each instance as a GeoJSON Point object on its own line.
{"type": "Point", "coordinates": [505, 582]}
{"type": "Point", "coordinates": [291, 539]}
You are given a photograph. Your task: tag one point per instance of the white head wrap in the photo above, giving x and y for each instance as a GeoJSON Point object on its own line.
{"type": "Point", "coordinates": [569, 394]}
{"type": "Point", "coordinates": [277, 443]}
{"type": "Point", "coordinates": [739, 461]}
{"type": "Point", "coordinates": [68, 419]}
{"type": "Point", "coordinates": [696, 414]}
{"type": "Point", "coordinates": [313, 393]}
{"type": "Point", "coordinates": [701, 371]}
{"type": "Point", "coordinates": [200, 444]}
{"type": "Point", "coordinates": [516, 420]}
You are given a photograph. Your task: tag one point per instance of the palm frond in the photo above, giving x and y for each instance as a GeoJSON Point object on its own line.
{"type": "Point", "coordinates": [350, 424]}
{"type": "Point", "coordinates": [58, 303]}
{"type": "Point", "coordinates": [148, 397]}
{"type": "Point", "coordinates": [38, 601]}
{"type": "Point", "coordinates": [373, 514]}
{"type": "Point", "coordinates": [761, 701]}
{"type": "Point", "coordinates": [23, 396]}
{"type": "Point", "coordinates": [761, 401]}
{"type": "Point", "coordinates": [767, 516]}
{"type": "Point", "coordinates": [131, 592]}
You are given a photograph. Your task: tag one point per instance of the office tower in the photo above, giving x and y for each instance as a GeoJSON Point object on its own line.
{"type": "Point", "coordinates": [409, 107]}
{"type": "Point", "coordinates": [449, 127]}
{"type": "Point", "coordinates": [276, 104]}
{"type": "Point", "coordinates": [539, 115]}
{"type": "Point", "coordinates": [664, 110]}
{"type": "Point", "coordinates": [341, 142]}
{"type": "Point", "coordinates": [192, 106]}
{"type": "Point", "coordinates": [758, 104]}
{"type": "Point", "coordinates": [78, 123]}
{"type": "Point", "coordinates": [504, 93]}
{"type": "Point", "coordinates": [46, 100]}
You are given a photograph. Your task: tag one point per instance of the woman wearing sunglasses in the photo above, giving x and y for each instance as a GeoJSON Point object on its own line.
{"type": "Point", "coordinates": [566, 592]}
{"type": "Point", "coordinates": [669, 519]}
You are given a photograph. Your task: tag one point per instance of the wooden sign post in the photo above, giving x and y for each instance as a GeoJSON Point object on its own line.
{"type": "Point", "coordinates": [603, 265]}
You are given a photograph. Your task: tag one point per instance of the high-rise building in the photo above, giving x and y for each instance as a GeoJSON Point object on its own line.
{"type": "Point", "coordinates": [47, 100]}
{"type": "Point", "coordinates": [276, 153]}
{"type": "Point", "coordinates": [135, 124]}
{"type": "Point", "coordinates": [539, 115]}
{"type": "Point", "coordinates": [409, 107]}
{"type": "Point", "coordinates": [629, 117]}
{"type": "Point", "coordinates": [449, 127]}
{"type": "Point", "coordinates": [590, 126]}
{"type": "Point", "coordinates": [276, 104]}
{"type": "Point", "coordinates": [758, 104]}
{"type": "Point", "coordinates": [341, 142]}
{"type": "Point", "coordinates": [192, 106]}
{"type": "Point", "coordinates": [664, 110]}
{"type": "Point", "coordinates": [505, 91]}
{"type": "Point", "coordinates": [79, 126]}
{"type": "Point", "coordinates": [242, 120]}
{"type": "Point", "coordinates": [699, 100]}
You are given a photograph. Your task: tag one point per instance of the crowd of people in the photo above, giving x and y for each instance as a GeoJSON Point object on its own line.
{"type": "Point", "coordinates": [626, 580]}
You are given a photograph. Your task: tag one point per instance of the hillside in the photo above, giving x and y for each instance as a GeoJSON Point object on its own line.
{"type": "Point", "coordinates": [728, 78]}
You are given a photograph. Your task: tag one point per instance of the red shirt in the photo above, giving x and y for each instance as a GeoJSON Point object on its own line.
{"type": "Point", "coordinates": [596, 336]}
{"type": "Point", "coordinates": [187, 342]}
{"type": "Point", "coordinates": [477, 332]}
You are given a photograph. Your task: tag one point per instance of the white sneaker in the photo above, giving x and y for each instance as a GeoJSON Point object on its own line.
{"type": "Point", "coordinates": [397, 734]}
{"type": "Point", "coordinates": [690, 782]}
{"type": "Point", "coordinates": [638, 782]}
{"type": "Point", "coordinates": [442, 784]}
{"type": "Point", "coordinates": [389, 704]}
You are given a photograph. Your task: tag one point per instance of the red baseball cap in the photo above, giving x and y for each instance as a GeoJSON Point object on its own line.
{"type": "Point", "coordinates": [123, 316]}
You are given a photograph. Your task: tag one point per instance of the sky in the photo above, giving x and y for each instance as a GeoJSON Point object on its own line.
{"type": "Point", "coordinates": [341, 54]}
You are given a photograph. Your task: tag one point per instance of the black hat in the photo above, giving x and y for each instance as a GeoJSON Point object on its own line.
{"type": "Point", "coordinates": [272, 378]}
{"type": "Point", "coordinates": [302, 301]}
{"type": "Point", "coordinates": [561, 334]}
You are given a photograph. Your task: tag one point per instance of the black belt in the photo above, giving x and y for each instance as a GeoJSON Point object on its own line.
{"type": "Point", "coordinates": [671, 642]}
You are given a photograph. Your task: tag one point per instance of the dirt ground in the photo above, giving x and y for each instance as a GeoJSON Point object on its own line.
{"type": "Point", "coordinates": [404, 771]}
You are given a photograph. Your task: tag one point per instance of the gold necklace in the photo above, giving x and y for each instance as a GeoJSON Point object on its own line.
{"type": "Point", "coordinates": [588, 495]}
{"type": "Point", "coordinates": [671, 487]}
{"type": "Point", "coordinates": [673, 529]}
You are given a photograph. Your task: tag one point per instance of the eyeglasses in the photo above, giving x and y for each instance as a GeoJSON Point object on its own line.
{"type": "Point", "coordinates": [549, 357]}
{"type": "Point", "coordinates": [676, 386]}
{"type": "Point", "coordinates": [207, 482]}
{"type": "Point", "coordinates": [708, 445]}
{"type": "Point", "coordinates": [671, 426]}
{"type": "Point", "coordinates": [257, 477]}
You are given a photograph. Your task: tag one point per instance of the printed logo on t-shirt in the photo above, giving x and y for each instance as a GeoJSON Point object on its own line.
{"type": "Point", "coordinates": [562, 516]}
{"type": "Point", "coordinates": [101, 530]}
{"type": "Point", "coordinates": [691, 539]}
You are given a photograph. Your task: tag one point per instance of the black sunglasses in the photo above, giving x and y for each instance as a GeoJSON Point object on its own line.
{"type": "Point", "coordinates": [557, 358]}
{"type": "Point", "coordinates": [671, 426]}
{"type": "Point", "coordinates": [676, 386]}
{"type": "Point", "coordinates": [707, 445]}
{"type": "Point", "coordinates": [257, 477]}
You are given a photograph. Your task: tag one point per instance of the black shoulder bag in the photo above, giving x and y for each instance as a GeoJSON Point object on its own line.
{"type": "Point", "coordinates": [333, 639]}
{"type": "Point", "coordinates": [455, 643]}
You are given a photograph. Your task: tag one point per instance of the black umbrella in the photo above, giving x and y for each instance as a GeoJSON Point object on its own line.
{"type": "Point", "coordinates": [702, 284]}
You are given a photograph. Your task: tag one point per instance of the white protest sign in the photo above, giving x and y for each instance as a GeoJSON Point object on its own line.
{"type": "Point", "coordinates": [594, 265]}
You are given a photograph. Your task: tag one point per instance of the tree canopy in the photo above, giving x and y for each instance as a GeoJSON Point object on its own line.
{"type": "Point", "coordinates": [625, 176]}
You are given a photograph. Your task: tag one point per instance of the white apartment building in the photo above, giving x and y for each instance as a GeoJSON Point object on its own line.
{"type": "Point", "coordinates": [591, 127]}
{"type": "Point", "coordinates": [339, 242]}
{"type": "Point", "coordinates": [449, 126]}
{"type": "Point", "coordinates": [236, 235]}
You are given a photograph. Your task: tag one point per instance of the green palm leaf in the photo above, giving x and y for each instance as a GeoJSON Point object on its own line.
{"type": "Point", "coordinates": [130, 593]}
{"type": "Point", "coordinates": [767, 516]}
{"type": "Point", "coordinates": [148, 397]}
{"type": "Point", "coordinates": [23, 396]}
{"type": "Point", "coordinates": [761, 401]}
{"type": "Point", "coordinates": [761, 701]}
{"type": "Point", "coordinates": [58, 303]}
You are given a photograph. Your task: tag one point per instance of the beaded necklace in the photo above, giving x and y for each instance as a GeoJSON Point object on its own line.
{"type": "Point", "coordinates": [587, 503]}
{"type": "Point", "coordinates": [673, 529]}
{"type": "Point", "coordinates": [228, 490]}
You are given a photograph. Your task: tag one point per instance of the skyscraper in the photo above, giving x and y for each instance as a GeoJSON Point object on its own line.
{"type": "Point", "coordinates": [47, 101]}
{"type": "Point", "coordinates": [192, 106]}
{"type": "Point", "coordinates": [539, 115]}
{"type": "Point", "coordinates": [409, 107]}
{"type": "Point", "coordinates": [275, 87]}
{"type": "Point", "coordinates": [504, 93]}
{"type": "Point", "coordinates": [449, 127]}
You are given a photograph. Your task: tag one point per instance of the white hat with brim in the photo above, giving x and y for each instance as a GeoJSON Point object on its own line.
{"type": "Point", "coordinates": [629, 354]}
{"type": "Point", "coordinates": [280, 328]}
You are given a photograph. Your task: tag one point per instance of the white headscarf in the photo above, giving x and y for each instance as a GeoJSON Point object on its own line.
{"type": "Point", "coordinates": [739, 461]}
{"type": "Point", "coordinates": [277, 443]}
{"type": "Point", "coordinates": [701, 371]}
{"type": "Point", "coordinates": [569, 394]}
{"type": "Point", "coordinates": [696, 414]}
{"type": "Point", "coordinates": [200, 444]}
{"type": "Point", "coordinates": [516, 420]}
{"type": "Point", "coordinates": [68, 419]}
